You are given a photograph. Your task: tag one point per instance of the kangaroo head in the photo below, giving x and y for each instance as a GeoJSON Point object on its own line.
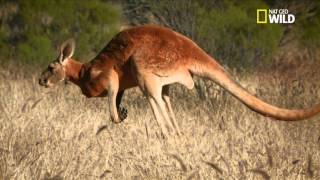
{"type": "Point", "coordinates": [55, 72]}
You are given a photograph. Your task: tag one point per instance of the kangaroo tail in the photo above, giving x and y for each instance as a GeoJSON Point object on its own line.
{"type": "Point", "coordinates": [210, 69]}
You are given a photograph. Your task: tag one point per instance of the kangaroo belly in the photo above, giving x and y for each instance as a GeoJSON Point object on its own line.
{"type": "Point", "coordinates": [181, 77]}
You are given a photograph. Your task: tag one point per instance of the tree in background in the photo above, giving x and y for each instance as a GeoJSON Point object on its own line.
{"type": "Point", "coordinates": [31, 30]}
{"type": "Point", "coordinates": [308, 26]}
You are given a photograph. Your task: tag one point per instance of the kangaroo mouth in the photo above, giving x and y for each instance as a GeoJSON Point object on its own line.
{"type": "Point", "coordinates": [44, 83]}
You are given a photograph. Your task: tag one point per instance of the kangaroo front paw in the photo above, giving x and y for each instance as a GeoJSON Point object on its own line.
{"type": "Point", "coordinates": [123, 113]}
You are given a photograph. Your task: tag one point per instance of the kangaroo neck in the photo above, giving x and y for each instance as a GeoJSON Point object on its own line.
{"type": "Point", "coordinates": [73, 70]}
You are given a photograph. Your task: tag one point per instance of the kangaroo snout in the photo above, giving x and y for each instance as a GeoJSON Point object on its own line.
{"type": "Point", "coordinates": [43, 82]}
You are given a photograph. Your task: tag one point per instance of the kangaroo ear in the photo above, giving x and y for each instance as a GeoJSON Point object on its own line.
{"type": "Point", "coordinates": [66, 50]}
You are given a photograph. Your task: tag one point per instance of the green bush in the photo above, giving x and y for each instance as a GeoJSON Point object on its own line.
{"type": "Point", "coordinates": [232, 35]}
{"type": "Point", "coordinates": [36, 49]}
{"type": "Point", "coordinates": [4, 48]}
{"type": "Point", "coordinates": [39, 26]}
{"type": "Point", "coordinates": [307, 26]}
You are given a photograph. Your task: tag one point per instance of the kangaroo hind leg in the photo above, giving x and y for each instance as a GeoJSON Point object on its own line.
{"type": "Point", "coordinates": [166, 98]}
{"type": "Point", "coordinates": [152, 87]}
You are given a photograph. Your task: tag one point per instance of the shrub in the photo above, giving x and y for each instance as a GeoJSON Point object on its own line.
{"type": "Point", "coordinates": [39, 26]}
{"type": "Point", "coordinates": [308, 25]}
{"type": "Point", "coordinates": [232, 35]}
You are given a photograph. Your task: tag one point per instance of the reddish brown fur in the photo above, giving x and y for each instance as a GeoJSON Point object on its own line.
{"type": "Point", "coordinates": [170, 51]}
{"type": "Point", "coordinates": [153, 57]}
{"type": "Point", "coordinates": [167, 54]}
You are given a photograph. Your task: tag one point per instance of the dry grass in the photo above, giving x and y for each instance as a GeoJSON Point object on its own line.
{"type": "Point", "coordinates": [51, 134]}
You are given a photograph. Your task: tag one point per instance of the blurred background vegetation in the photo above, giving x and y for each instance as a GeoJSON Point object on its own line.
{"type": "Point", "coordinates": [31, 30]}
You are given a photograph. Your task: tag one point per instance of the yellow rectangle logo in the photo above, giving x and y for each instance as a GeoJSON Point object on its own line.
{"type": "Point", "coordinates": [262, 16]}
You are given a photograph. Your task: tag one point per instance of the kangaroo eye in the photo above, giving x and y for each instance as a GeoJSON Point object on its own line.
{"type": "Point", "coordinates": [50, 68]}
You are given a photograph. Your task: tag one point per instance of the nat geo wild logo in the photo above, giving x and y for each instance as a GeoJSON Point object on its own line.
{"type": "Point", "coordinates": [275, 16]}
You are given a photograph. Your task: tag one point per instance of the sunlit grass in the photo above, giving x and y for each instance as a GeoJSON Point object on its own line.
{"type": "Point", "coordinates": [51, 133]}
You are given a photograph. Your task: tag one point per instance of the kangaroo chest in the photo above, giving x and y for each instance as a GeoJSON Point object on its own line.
{"type": "Point", "coordinates": [93, 84]}
{"type": "Point", "coordinates": [91, 89]}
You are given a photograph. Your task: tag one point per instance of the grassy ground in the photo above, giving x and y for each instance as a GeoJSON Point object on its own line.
{"type": "Point", "coordinates": [51, 133]}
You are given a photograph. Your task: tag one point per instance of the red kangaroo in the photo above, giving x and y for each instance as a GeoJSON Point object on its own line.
{"type": "Point", "coordinates": [152, 57]}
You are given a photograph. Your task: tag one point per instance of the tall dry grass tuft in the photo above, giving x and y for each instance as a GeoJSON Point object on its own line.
{"type": "Point", "coordinates": [51, 133]}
